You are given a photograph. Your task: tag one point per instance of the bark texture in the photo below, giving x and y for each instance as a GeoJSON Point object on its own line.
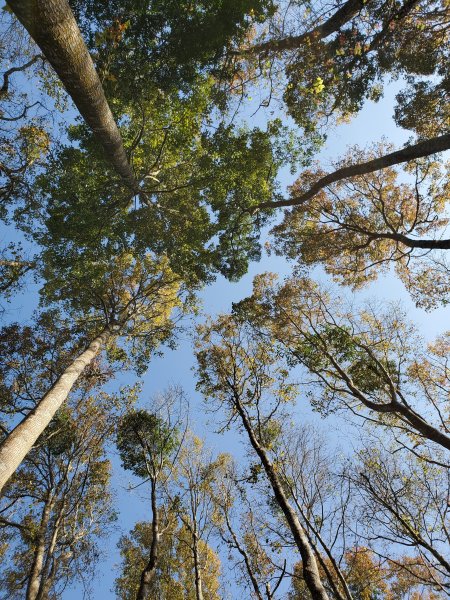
{"type": "Point", "coordinates": [52, 25]}
{"type": "Point", "coordinates": [19, 442]}
{"type": "Point", "coordinates": [419, 150]}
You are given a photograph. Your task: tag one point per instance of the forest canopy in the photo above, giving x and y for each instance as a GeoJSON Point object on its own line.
{"type": "Point", "coordinates": [178, 421]}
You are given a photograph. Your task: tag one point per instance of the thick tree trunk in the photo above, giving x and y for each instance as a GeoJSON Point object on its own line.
{"type": "Point", "coordinates": [148, 574]}
{"type": "Point", "coordinates": [34, 581]}
{"type": "Point", "coordinates": [21, 439]}
{"type": "Point", "coordinates": [410, 242]}
{"type": "Point", "coordinates": [53, 27]}
{"type": "Point", "coordinates": [419, 150]}
{"type": "Point", "coordinates": [197, 569]}
{"type": "Point", "coordinates": [310, 569]}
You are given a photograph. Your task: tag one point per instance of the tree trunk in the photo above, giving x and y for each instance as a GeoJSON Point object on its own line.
{"type": "Point", "coordinates": [48, 574]}
{"type": "Point", "coordinates": [197, 569]}
{"type": "Point", "coordinates": [148, 573]}
{"type": "Point", "coordinates": [309, 563]}
{"type": "Point", "coordinates": [423, 148]}
{"type": "Point", "coordinates": [21, 439]}
{"type": "Point", "coordinates": [245, 557]}
{"type": "Point", "coordinates": [53, 27]}
{"type": "Point", "coordinates": [34, 581]}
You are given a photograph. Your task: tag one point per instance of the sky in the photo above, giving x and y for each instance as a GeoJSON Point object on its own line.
{"type": "Point", "coordinates": [176, 367]}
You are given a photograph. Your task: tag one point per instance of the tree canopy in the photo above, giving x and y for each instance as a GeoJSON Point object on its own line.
{"type": "Point", "coordinates": [151, 149]}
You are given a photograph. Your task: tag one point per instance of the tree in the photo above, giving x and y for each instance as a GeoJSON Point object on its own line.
{"type": "Point", "coordinates": [58, 505]}
{"type": "Point", "coordinates": [168, 42]}
{"type": "Point", "coordinates": [148, 444]}
{"type": "Point", "coordinates": [357, 227]}
{"type": "Point", "coordinates": [366, 361]}
{"type": "Point", "coordinates": [239, 372]}
{"type": "Point", "coordinates": [192, 500]}
{"type": "Point", "coordinates": [175, 570]}
{"type": "Point", "coordinates": [332, 61]}
{"type": "Point", "coordinates": [245, 531]}
{"type": "Point", "coordinates": [129, 300]}
{"type": "Point", "coordinates": [373, 579]}
{"type": "Point", "coordinates": [198, 183]}
{"type": "Point", "coordinates": [403, 500]}
{"type": "Point", "coordinates": [25, 132]}
{"type": "Point", "coordinates": [54, 29]}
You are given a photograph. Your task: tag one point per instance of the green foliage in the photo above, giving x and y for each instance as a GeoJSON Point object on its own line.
{"type": "Point", "coordinates": [166, 42]}
{"type": "Point", "coordinates": [199, 188]}
{"type": "Point", "coordinates": [145, 443]}
{"type": "Point", "coordinates": [337, 74]}
{"type": "Point", "coordinates": [175, 569]}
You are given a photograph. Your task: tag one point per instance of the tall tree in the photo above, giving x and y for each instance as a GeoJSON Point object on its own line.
{"type": "Point", "coordinates": [243, 526]}
{"type": "Point", "coordinates": [358, 226]}
{"type": "Point", "coordinates": [363, 361]}
{"type": "Point", "coordinates": [148, 444]}
{"type": "Point", "coordinates": [175, 570]}
{"type": "Point", "coordinates": [240, 373]}
{"type": "Point", "coordinates": [58, 505]}
{"type": "Point", "coordinates": [193, 502]}
{"type": "Point", "coordinates": [128, 300]}
{"type": "Point", "coordinates": [333, 60]}
{"type": "Point", "coordinates": [54, 29]}
{"type": "Point", "coordinates": [405, 500]}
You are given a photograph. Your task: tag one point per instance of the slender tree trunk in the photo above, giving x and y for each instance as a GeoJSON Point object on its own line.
{"type": "Point", "coordinates": [244, 555]}
{"type": "Point", "coordinates": [53, 27]}
{"type": "Point", "coordinates": [22, 438]}
{"type": "Point", "coordinates": [423, 148]}
{"type": "Point", "coordinates": [148, 574]}
{"type": "Point", "coordinates": [197, 568]}
{"type": "Point", "coordinates": [34, 581]}
{"type": "Point", "coordinates": [309, 563]}
{"type": "Point", "coordinates": [48, 573]}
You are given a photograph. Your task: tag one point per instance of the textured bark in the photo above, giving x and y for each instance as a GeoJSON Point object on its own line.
{"type": "Point", "coordinates": [309, 563]}
{"type": "Point", "coordinates": [53, 27]}
{"type": "Point", "coordinates": [148, 573]}
{"type": "Point", "coordinates": [19, 442]}
{"type": "Point", "coordinates": [419, 150]}
{"type": "Point", "coordinates": [197, 570]}
{"type": "Point", "coordinates": [331, 25]}
{"type": "Point", "coordinates": [34, 581]}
